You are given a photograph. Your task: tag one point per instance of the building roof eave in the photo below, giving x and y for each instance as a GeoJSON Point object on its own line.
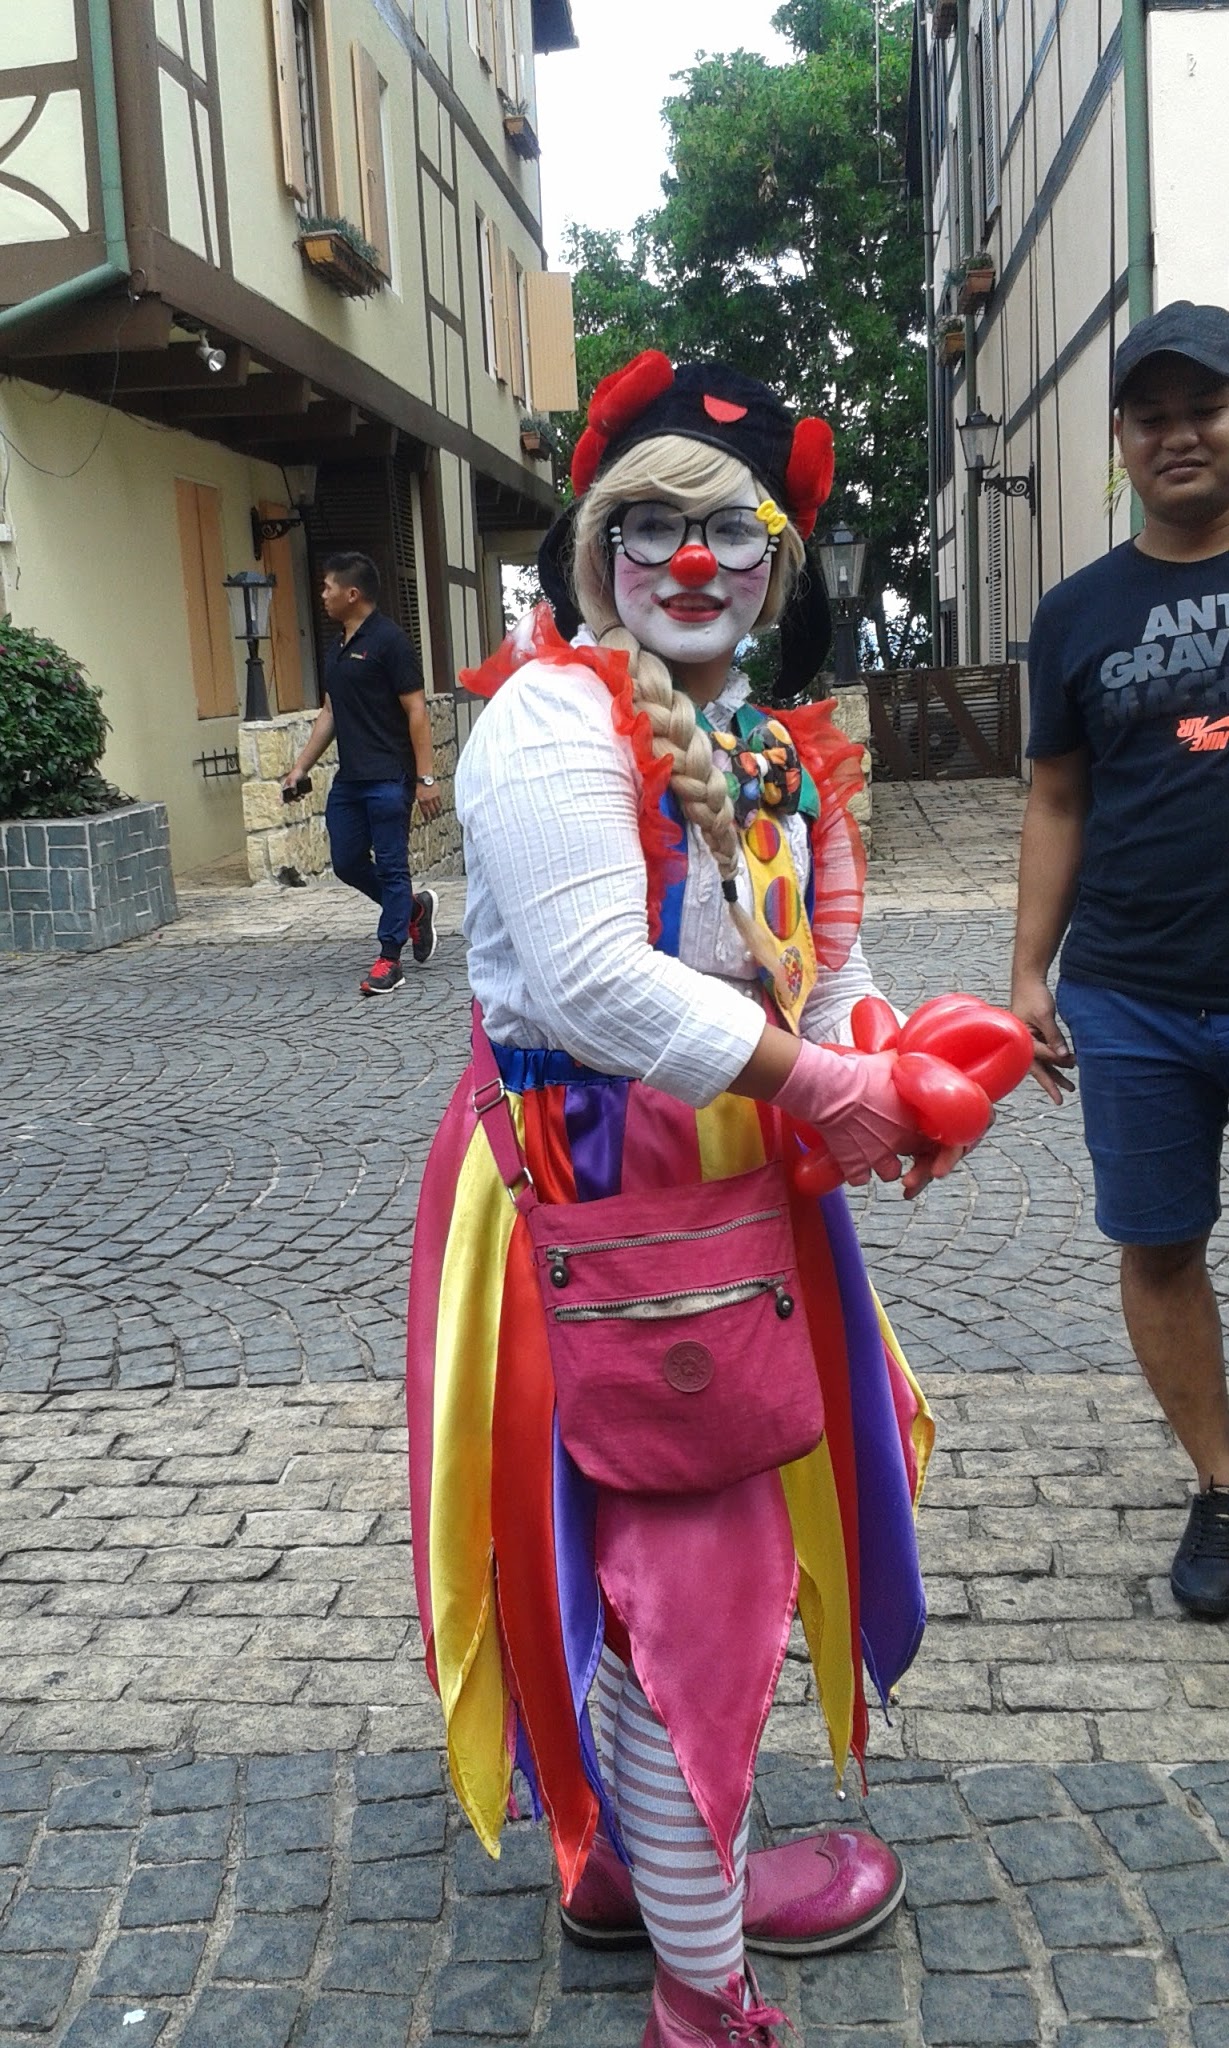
{"type": "Point", "coordinates": [553, 28]}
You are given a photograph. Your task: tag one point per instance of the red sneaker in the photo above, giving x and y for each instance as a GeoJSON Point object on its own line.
{"type": "Point", "coordinates": [382, 977]}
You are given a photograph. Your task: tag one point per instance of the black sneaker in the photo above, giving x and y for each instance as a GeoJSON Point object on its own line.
{"type": "Point", "coordinates": [423, 936]}
{"type": "Point", "coordinates": [382, 977]}
{"type": "Point", "coordinates": [1200, 1574]}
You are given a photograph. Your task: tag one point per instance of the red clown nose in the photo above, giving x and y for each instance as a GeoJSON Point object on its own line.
{"type": "Point", "coordinates": [693, 566]}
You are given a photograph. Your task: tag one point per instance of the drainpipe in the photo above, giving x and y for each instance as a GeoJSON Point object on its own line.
{"type": "Point", "coordinates": [928, 223]}
{"type": "Point", "coordinates": [1139, 182]}
{"type": "Point", "coordinates": [972, 498]}
{"type": "Point", "coordinates": [117, 269]}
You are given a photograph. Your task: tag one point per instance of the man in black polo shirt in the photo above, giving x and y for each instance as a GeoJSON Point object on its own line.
{"type": "Point", "coordinates": [375, 708]}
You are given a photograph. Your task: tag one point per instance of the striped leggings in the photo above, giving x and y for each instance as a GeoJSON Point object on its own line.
{"type": "Point", "coordinates": [694, 1918]}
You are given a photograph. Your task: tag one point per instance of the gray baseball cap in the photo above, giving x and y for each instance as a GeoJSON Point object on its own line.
{"type": "Point", "coordinates": [1200, 333]}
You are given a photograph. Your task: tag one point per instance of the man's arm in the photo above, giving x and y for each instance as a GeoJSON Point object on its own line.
{"type": "Point", "coordinates": [414, 705]}
{"type": "Point", "coordinates": [320, 737]}
{"type": "Point", "coordinates": [1051, 848]}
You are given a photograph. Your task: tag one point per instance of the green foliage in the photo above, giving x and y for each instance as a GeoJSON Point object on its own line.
{"type": "Point", "coordinates": [52, 732]}
{"type": "Point", "coordinates": [785, 245]}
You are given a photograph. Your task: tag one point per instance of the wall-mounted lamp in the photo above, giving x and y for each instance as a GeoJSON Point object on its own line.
{"type": "Point", "coordinates": [301, 489]}
{"type": "Point", "coordinates": [213, 358]}
{"type": "Point", "coordinates": [979, 437]}
{"type": "Point", "coordinates": [250, 597]}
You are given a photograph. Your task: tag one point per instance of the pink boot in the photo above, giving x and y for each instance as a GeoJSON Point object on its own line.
{"type": "Point", "coordinates": [809, 1897]}
{"type": "Point", "coordinates": [682, 2017]}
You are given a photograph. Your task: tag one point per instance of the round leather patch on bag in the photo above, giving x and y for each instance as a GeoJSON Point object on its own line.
{"type": "Point", "coordinates": [688, 1367]}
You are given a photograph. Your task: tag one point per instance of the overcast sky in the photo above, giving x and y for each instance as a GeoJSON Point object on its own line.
{"type": "Point", "coordinates": [599, 107]}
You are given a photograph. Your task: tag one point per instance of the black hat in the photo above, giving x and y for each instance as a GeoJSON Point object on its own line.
{"type": "Point", "coordinates": [1201, 333]}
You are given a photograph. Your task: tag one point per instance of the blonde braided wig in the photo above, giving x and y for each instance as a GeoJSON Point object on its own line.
{"type": "Point", "coordinates": [697, 479]}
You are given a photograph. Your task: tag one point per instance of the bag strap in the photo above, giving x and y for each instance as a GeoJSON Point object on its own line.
{"type": "Point", "coordinates": [490, 1105]}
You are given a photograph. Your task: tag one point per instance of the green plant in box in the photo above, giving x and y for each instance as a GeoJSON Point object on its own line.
{"type": "Point", "coordinates": [52, 732]}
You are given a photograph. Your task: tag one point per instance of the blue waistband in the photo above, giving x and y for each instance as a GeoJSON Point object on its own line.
{"type": "Point", "coordinates": [523, 1069]}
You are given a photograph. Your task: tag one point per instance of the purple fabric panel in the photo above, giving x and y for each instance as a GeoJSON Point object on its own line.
{"type": "Point", "coordinates": [892, 1597]}
{"type": "Point", "coordinates": [594, 1116]}
{"type": "Point", "coordinates": [525, 1765]}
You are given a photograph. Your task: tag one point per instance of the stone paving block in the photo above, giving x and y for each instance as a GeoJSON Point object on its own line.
{"type": "Point", "coordinates": [1204, 1959]}
{"type": "Point", "coordinates": [157, 1965]}
{"type": "Point", "coordinates": [1033, 1850]}
{"type": "Point", "coordinates": [1095, 1915]}
{"type": "Point", "coordinates": [183, 1837]}
{"type": "Point", "coordinates": [501, 1929]}
{"type": "Point", "coordinates": [1214, 1800]}
{"type": "Point", "coordinates": [58, 1921]}
{"type": "Point", "coordinates": [1097, 1788]}
{"type": "Point", "coordinates": [282, 1884]}
{"type": "Point", "coordinates": [978, 2012]}
{"type": "Point", "coordinates": [844, 1989]}
{"type": "Point", "coordinates": [193, 1787]}
{"type": "Point", "coordinates": [15, 1839]}
{"type": "Point", "coordinates": [606, 1970]}
{"type": "Point", "coordinates": [1023, 1793]}
{"type": "Point", "coordinates": [397, 1827]}
{"type": "Point", "coordinates": [1210, 2027]}
{"type": "Point", "coordinates": [947, 1873]}
{"type": "Point", "coordinates": [576, 2022]}
{"type": "Point", "coordinates": [486, 1999]}
{"type": "Point", "coordinates": [33, 1990]}
{"type": "Point", "coordinates": [291, 1729]}
{"type": "Point", "coordinates": [91, 1856]}
{"type": "Point", "coordinates": [1082, 2035]}
{"type": "Point", "coordinates": [340, 2019]}
{"type": "Point", "coordinates": [409, 1888]}
{"type": "Point", "coordinates": [412, 1775]}
{"type": "Point", "coordinates": [1106, 1987]}
{"type": "Point", "coordinates": [24, 1791]}
{"type": "Point", "coordinates": [388, 1958]}
{"type": "Point", "coordinates": [100, 2025]}
{"type": "Point", "coordinates": [298, 1777]}
{"type": "Point", "coordinates": [1195, 1897]}
{"type": "Point", "coordinates": [524, 1862]}
{"type": "Point", "coordinates": [241, 2019]}
{"type": "Point", "coordinates": [262, 1948]}
{"type": "Point", "coordinates": [277, 1824]}
{"type": "Point", "coordinates": [916, 1813]}
{"type": "Point", "coordinates": [968, 1938]}
{"type": "Point", "coordinates": [170, 1893]}
{"type": "Point", "coordinates": [794, 1796]}
{"type": "Point", "coordinates": [1155, 1837]}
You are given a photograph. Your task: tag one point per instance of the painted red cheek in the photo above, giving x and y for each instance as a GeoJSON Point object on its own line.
{"type": "Point", "coordinates": [693, 566]}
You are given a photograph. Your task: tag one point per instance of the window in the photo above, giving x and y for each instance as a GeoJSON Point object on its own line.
{"type": "Point", "coordinates": [938, 107]}
{"type": "Point", "coordinates": [297, 99]}
{"type": "Point", "coordinates": [487, 276]}
{"type": "Point", "coordinates": [198, 508]}
{"type": "Point", "coordinates": [494, 32]}
{"type": "Point", "coordinates": [944, 434]}
{"type": "Point", "coordinates": [369, 118]}
{"type": "Point", "coordinates": [986, 86]}
{"type": "Point", "coordinates": [947, 649]}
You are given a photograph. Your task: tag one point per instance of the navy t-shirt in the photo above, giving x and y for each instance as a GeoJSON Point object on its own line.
{"type": "Point", "coordinates": [1130, 658]}
{"type": "Point", "coordinates": [364, 679]}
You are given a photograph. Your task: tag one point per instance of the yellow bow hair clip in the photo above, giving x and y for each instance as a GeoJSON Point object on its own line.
{"type": "Point", "coordinates": [774, 519]}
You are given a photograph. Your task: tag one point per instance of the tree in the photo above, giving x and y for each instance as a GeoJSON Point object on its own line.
{"type": "Point", "coordinates": [785, 246]}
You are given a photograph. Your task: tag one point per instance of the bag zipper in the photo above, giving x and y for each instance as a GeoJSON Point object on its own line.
{"type": "Point", "coordinates": [559, 1254]}
{"type": "Point", "coordinates": [646, 1308]}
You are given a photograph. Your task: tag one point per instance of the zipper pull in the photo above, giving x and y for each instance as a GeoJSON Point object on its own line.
{"type": "Point", "coordinates": [558, 1267]}
{"type": "Point", "coordinates": [785, 1303]}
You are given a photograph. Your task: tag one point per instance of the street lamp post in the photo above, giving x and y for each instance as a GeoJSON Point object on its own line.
{"type": "Point", "coordinates": [979, 438]}
{"type": "Point", "coordinates": [249, 596]}
{"type": "Point", "coordinates": [842, 561]}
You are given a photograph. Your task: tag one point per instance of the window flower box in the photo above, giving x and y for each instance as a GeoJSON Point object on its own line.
{"type": "Point", "coordinates": [943, 17]}
{"type": "Point", "coordinates": [519, 130]}
{"type": "Point", "coordinates": [336, 252]}
{"type": "Point", "coordinates": [976, 284]}
{"type": "Point", "coordinates": [537, 440]}
{"type": "Point", "coordinates": [949, 341]}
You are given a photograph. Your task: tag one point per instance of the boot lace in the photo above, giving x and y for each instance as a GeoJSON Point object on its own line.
{"type": "Point", "coordinates": [750, 2026]}
{"type": "Point", "coordinates": [1209, 1535]}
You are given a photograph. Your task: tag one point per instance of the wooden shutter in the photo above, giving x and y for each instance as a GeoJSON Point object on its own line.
{"type": "Point", "coordinates": [989, 82]}
{"type": "Point", "coordinates": [198, 509]}
{"type": "Point", "coordinates": [996, 607]}
{"type": "Point", "coordinates": [505, 69]}
{"type": "Point", "coordinates": [552, 341]}
{"type": "Point", "coordinates": [277, 560]}
{"type": "Point", "coordinates": [486, 33]}
{"type": "Point", "coordinates": [516, 327]}
{"type": "Point", "coordinates": [499, 303]}
{"type": "Point", "coordinates": [372, 175]}
{"type": "Point", "coordinates": [294, 160]}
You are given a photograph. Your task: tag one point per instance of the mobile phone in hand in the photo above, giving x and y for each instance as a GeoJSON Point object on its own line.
{"type": "Point", "coordinates": [301, 788]}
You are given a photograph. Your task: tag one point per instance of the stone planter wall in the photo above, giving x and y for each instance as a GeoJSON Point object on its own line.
{"type": "Point", "coordinates": [853, 717]}
{"type": "Point", "coordinates": [77, 884]}
{"type": "Point", "coordinates": [283, 837]}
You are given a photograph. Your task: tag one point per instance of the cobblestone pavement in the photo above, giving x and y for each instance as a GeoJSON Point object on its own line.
{"type": "Point", "coordinates": [221, 1812]}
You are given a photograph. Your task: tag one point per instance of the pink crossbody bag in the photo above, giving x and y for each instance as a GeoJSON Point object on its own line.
{"type": "Point", "coordinates": [678, 1340]}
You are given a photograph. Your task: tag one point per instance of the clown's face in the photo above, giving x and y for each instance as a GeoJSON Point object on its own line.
{"type": "Point", "coordinates": [689, 610]}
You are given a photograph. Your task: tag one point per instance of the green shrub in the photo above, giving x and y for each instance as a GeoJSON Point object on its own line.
{"type": "Point", "coordinates": [52, 732]}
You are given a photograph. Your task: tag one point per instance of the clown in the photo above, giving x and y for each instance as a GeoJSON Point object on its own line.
{"type": "Point", "coordinates": [664, 898]}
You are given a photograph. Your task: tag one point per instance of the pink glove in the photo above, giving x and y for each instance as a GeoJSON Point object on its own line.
{"type": "Point", "coordinates": [851, 1100]}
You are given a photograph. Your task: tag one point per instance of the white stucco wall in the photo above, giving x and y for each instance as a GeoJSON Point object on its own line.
{"type": "Point", "coordinates": [1188, 67]}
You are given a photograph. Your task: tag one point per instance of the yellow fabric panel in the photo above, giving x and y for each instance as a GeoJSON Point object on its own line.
{"type": "Point", "coordinates": [923, 1429]}
{"type": "Point", "coordinates": [730, 1138]}
{"type": "Point", "coordinates": [823, 1592]}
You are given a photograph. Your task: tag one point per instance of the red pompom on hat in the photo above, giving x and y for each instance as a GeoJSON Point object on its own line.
{"type": "Point", "coordinates": [809, 473]}
{"type": "Point", "coordinates": [618, 400]}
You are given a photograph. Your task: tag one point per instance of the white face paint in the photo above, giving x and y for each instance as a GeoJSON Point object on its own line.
{"type": "Point", "coordinates": [683, 624]}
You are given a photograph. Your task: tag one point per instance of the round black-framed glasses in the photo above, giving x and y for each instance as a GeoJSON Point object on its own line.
{"type": "Point", "coordinates": [651, 534]}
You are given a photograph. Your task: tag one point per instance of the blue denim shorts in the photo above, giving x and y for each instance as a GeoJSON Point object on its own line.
{"type": "Point", "coordinates": [1154, 1083]}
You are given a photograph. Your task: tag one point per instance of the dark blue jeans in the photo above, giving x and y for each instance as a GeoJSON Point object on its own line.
{"type": "Point", "coordinates": [369, 839]}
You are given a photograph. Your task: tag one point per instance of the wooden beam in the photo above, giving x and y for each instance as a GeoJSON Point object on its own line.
{"type": "Point", "coordinates": [333, 419]}
{"type": "Point", "coordinates": [374, 441]}
{"type": "Point", "coordinates": [96, 327]}
{"type": "Point", "coordinates": [260, 396]}
{"type": "Point", "coordinates": [180, 368]}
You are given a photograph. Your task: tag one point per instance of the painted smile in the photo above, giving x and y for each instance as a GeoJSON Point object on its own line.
{"type": "Point", "coordinates": [691, 606]}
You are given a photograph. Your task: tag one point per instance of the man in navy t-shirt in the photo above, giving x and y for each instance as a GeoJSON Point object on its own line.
{"type": "Point", "coordinates": [1125, 841]}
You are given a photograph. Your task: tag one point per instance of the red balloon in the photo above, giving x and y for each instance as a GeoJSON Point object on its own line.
{"type": "Point", "coordinates": [817, 1173]}
{"type": "Point", "coordinates": [991, 1046]}
{"type": "Point", "coordinates": [874, 1025]}
{"type": "Point", "coordinates": [950, 1108]}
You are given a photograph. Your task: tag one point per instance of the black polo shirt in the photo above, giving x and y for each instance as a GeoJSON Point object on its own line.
{"type": "Point", "coordinates": [364, 678]}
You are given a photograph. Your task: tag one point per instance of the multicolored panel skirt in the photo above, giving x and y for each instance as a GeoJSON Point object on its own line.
{"type": "Point", "coordinates": [524, 1568]}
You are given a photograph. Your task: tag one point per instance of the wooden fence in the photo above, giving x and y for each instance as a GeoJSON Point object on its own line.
{"type": "Point", "coordinates": [944, 724]}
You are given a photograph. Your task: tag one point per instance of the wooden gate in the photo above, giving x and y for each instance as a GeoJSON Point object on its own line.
{"type": "Point", "coordinates": [944, 724]}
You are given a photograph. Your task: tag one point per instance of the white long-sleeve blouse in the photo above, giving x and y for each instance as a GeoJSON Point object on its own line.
{"type": "Point", "coordinates": [559, 955]}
